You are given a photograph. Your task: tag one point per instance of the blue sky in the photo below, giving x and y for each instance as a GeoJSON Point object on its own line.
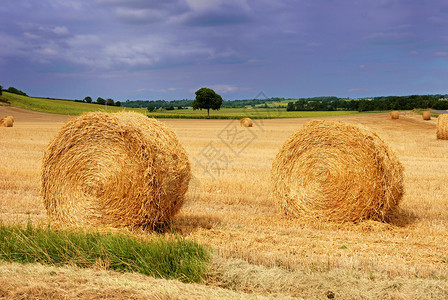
{"type": "Point", "coordinates": [147, 49]}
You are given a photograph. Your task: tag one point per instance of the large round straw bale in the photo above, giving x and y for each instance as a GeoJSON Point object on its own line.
{"type": "Point", "coordinates": [426, 115]}
{"type": "Point", "coordinates": [336, 171]}
{"type": "Point", "coordinates": [442, 127]}
{"type": "Point", "coordinates": [246, 122]}
{"type": "Point", "coordinates": [394, 115]}
{"type": "Point", "coordinates": [7, 121]}
{"type": "Point", "coordinates": [114, 170]}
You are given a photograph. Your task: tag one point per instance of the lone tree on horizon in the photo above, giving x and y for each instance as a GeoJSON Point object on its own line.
{"type": "Point", "coordinates": [207, 98]}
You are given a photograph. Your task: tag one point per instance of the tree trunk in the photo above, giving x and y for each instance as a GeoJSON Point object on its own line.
{"type": "Point", "coordinates": [208, 113]}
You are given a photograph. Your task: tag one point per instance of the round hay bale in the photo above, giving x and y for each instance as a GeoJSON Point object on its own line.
{"type": "Point", "coordinates": [394, 115]}
{"type": "Point", "coordinates": [426, 115]}
{"type": "Point", "coordinates": [7, 121]}
{"type": "Point", "coordinates": [246, 122]}
{"type": "Point", "coordinates": [442, 127]}
{"type": "Point", "coordinates": [114, 170]}
{"type": "Point", "coordinates": [338, 172]}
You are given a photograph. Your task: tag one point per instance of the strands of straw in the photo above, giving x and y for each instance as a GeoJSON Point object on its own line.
{"type": "Point", "coordinates": [246, 122]}
{"type": "Point", "coordinates": [394, 115]}
{"type": "Point", "coordinates": [442, 127]}
{"type": "Point", "coordinates": [114, 170]}
{"type": "Point", "coordinates": [426, 115]}
{"type": "Point", "coordinates": [7, 121]}
{"type": "Point", "coordinates": [336, 171]}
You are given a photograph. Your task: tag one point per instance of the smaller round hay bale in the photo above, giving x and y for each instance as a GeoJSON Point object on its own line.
{"type": "Point", "coordinates": [7, 121]}
{"type": "Point", "coordinates": [246, 122]}
{"type": "Point", "coordinates": [114, 170]}
{"type": "Point", "coordinates": [394, 115]}
{"type": "Point", "coordinates": [335, 171]}
{"type": "Point", "coordinates": [442, 127]}
{"type": "Point", "coordinates": [426, 115]}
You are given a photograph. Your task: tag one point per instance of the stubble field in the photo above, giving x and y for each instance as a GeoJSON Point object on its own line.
{"type": "Point", "coordinates": [257, 251]}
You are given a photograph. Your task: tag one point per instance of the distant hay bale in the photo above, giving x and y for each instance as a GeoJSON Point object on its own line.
{"type": "Point", "coordinates": [114, 170]}
{"type": "Point", "coordinates": [426, 115]}
{"type": "Point", "coordinates": [442, 127]}
{"type": "Point", "coordinates": [246, 122]}
{"type": "Point", "coordinates": [7, 121]}
{"type": "Point", "coordinates": [394, 115]}
{"type": "Point", "coordinates": [338, 172]}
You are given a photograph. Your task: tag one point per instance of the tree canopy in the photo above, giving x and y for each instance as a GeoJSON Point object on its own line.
{"type": "Point", "coordinates": [207, 99]}
{"type": "Point", "coordinates": [110, 101]}
{"type": "Point", "coordinates": [101, 101]}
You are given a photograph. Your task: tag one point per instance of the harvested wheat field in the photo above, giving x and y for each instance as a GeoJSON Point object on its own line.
{"type": "Point", "coordinates": [258, 252]}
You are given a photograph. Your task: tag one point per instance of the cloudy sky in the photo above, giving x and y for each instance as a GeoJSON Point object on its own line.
{"type": "Point", "coordinates": [148, 49]}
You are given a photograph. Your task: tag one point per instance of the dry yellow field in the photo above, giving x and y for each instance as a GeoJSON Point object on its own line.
{"type": "Point", "coordinates": [258, 252]}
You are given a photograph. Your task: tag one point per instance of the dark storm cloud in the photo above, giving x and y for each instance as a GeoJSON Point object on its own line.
{"type": "Point", "coordinates": [139, 48]}
{"type": "Point", "coordinates": [225, 13]}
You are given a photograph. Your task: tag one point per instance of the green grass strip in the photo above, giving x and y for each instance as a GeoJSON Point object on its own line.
{"type": "Point", "coordinates": [161, 257]}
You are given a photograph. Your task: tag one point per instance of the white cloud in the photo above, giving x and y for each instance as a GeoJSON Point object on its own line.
{"type": "Point", "coordinates": [440, 54]}
{"type": "Point", "coordinates": [313, 44]}
{"type": "Point", "coordinates": [355, 90]}
{"type": "Point", "coordinates": [82, 40]}
{"type": "Point", "coordinates": [31, 35]}
{"type": "Point", "coordinates": [212, 4]}
{"type": "Point", "coordinates": [140, 15]}
{"type": "Point", "coordinates": [76, 5]}
{"type": "Point", "coordinates": [47, 51]}
{"type": "Point", "coordinates": [203, 4]}
{"type": "Point", "coordinates": [383, 35]}
{"type": "Point", "coordinates": [60, 30]}
{"type": "Point", "coordinates": [224, 88]}
{"type": "Point", "coordinates": [165, 91]}
{"type": "Point", "coordinates": [438, 20]}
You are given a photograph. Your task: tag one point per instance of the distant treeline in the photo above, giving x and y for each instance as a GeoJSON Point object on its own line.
{"type": "Point", "coordinates": [100, 101]}
{"type": "Point", "coordinates": [251, 102]}
{"type": "Point", "coordinates": [325, 103]}
{"type": "Point", "coordinates": [186, 103]}
{"type": "Point", "coordinates": [374, 104]}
